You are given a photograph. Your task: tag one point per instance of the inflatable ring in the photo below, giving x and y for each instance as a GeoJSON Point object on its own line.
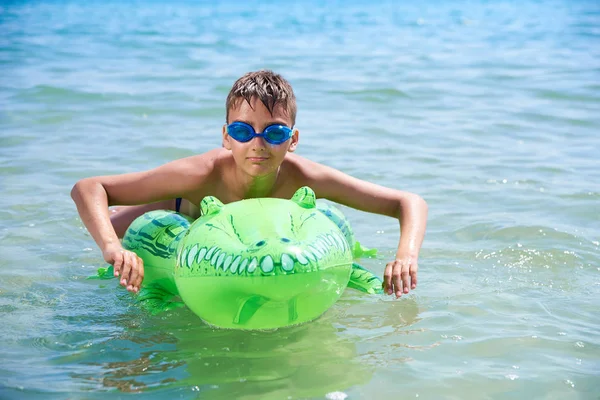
{"type": "Point", "coordinates": [253, 264]}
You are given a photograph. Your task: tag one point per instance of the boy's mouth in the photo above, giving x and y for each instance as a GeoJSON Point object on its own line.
{"type": "Point", "coordinates": [257, 159]}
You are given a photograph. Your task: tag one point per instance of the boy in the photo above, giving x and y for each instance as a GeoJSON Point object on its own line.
{"type": "Point", "coordinates": [250, 165]}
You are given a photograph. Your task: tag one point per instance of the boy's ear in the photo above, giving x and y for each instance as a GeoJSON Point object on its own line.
{"type": "Point", "coordinates": [294, 141]}
{"type": "Point", "coordinates": [226, 138]}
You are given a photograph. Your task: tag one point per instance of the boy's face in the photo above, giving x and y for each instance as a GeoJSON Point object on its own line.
{"type": "Point", "coordinates": [258, 157]}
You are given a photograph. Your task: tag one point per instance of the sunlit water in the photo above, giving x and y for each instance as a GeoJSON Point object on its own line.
{"type": "Point", "coordinates": [489, 110]}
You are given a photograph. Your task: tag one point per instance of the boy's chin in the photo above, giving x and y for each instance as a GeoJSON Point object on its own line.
{"type": "Point", "coordinates": [259, 171]}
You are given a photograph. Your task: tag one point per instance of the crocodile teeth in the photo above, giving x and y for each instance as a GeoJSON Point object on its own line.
{"type": "Point", "coordinates": [253, 265]}
{"type": "Point", "coordinates": [345, 242]}
{"type": "Point", "coordinates": [316, 251]}
{"type": "Point", "coordinates": [180, 258]}
{"type": "Point", "coordinates": [213, 260]}
{"type": "Point", "coordinates": [210, 252]}
{"type": "Point", "coordinates": [243, 266]}
{"type": "Point", "coordinates": [322, 245]}
{"type": "Point", "coordinates": [310, 255]}
{"type": "Point", "coordinates": [334, 241]}
{"type": "Point", "coordinates": [201, 255]}
{"type": "Point", "coordinates": [227, 263]}
{"type": "Point", "coordinates": [301, 259]}
{"type": "Point", "coordinates": [341, 240]}
{"type": "Point", "coordinates": [266, 264]}
{"type": "Point", "coordinates": [191, 255]}
{"type": "Point", "coordinates": [235, 264]}
{"type": "Point", "coordinates": [318, 244]}
{"type": "Point", "coordinates": [287, 262]}
{"type": "Point", "coordinates": [220, 260]}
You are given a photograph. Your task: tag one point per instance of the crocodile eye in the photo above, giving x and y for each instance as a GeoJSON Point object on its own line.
{"type": "Point", "coordinates": [261, 243]}
{"type": "Point", "coordinates": [285, 240]}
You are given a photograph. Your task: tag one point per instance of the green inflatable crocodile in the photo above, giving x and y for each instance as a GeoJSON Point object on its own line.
{"type": "Point", "coordinates": [253, 264]}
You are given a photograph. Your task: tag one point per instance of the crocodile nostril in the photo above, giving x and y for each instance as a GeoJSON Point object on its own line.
{"type": "Point", "coordinates": [285, 240]}
{"type": "Point", "coordinates": [261, 243]}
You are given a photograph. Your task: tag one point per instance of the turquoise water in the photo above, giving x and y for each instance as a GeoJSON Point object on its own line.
{"type": "Point", "coordinates": [489, 110]}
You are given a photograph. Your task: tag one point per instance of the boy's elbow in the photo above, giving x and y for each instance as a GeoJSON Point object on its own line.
{"type": "Point", "coordinates": [422, 203]}
{"type": "Point", "coordinates": [82, 186]}
{"type": "Point", "coordinates": [76, 190]}
{"type": "Point", "coordinates": [414, 202]}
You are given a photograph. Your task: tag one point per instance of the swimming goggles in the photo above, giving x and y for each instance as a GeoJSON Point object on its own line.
{"type": "Point", "coordinates": [274, 134]}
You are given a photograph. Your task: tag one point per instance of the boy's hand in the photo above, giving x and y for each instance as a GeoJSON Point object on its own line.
{"type": "Point", "coordinates": [400, 275]}
{"type": "Point", "coordinates": [127, 264]}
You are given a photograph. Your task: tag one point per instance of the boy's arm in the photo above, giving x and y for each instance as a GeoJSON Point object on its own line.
{"type": "Point", "coordinates": [410, 209]}
{"type": "Point", "coordinates": [94, 195]}
{"type": "Point", "coordinates": [122, 216]}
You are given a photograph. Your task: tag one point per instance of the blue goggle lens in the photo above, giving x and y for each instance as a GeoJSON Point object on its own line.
{"type": "Point", "coordinates": [274, 134]}
{"type": "Point", "coordinates": [240, 133]}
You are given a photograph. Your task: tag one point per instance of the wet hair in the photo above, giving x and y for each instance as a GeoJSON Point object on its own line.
{"type": "Point", "coordinates": [270, 88]}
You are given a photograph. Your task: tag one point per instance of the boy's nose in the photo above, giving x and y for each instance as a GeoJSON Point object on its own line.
{"type": "Point", "coordinates": [258, 142]}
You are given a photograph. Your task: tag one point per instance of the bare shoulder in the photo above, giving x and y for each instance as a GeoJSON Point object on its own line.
{"type": "Point", "coordinates": [301, 171]}
{"type": "Point", "coordinates": [201, 174]}
{"type": "Point", "coordinates": [335, 185]}
{"type": "Point", "coordinates": [177, 178]}
{"type": "Point", "coordinates": [201, 164]}
{"type": "Point", "coordinates": [306, 171]}
{"type": "Point", "coordinates": [302, 167]}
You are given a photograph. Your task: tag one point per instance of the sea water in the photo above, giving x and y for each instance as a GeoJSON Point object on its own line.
{"type": "Point", "coordinates": [489, 110]}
